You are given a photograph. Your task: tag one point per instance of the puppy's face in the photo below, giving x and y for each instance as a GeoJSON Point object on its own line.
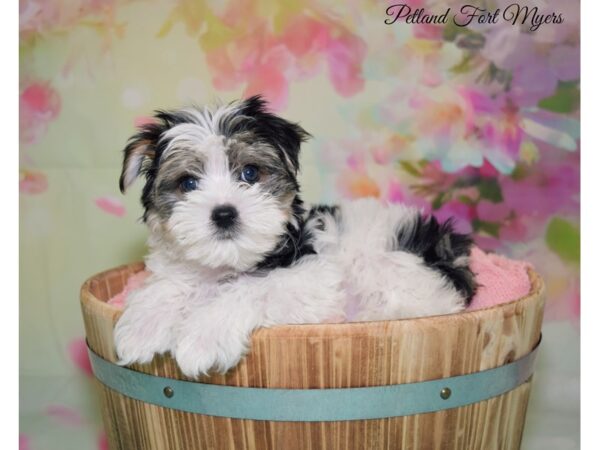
{"type": "Point", "coordinates": [219, 183]}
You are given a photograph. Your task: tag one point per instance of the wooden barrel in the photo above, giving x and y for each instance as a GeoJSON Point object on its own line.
{"type": "Point", "coordinates": [328, 356]}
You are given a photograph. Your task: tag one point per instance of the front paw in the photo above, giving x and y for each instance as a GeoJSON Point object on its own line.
{"type": "Point", "coordinates": [198, 353]}
{"type": "Point", "coordinates": [138, 340]}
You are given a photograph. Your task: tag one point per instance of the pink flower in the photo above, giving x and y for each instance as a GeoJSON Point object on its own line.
{"type": "Point", "coordinates": [65, 415]}
{"type": "Point", "coordinates": [428, 31]}
{"type": "Point", "coordinates": [345, 55]}
{"type": "Point", "coordinates": [535, 67]}
{"type": "Point", "coordinates": [271, 84]}
{"type": "Point", "coordinates": [32, 183]}
{"type": "Point", "coordinates": [488, 170]}
{"type": "Point", "coordinates": [24, 442]}
{"type": "Point", "coordinates": [395, 193]}
{"type": "Point", "coordinates": [40, 17]}
{"type": "Point", "coordinates": [304, 35]}
{"type": "Point", "coordinates": [39, 104]}
{"type": "Point", "coordinates": [552, 188]}
{"type": "Point", "coordinates": [358, 185]}
{"type": "Point", "coordinates": [266, 61]}
{"type": "Point", "coordinates": [78, 353]}
{"type": "Point", "coordinates": [467, 127]}
{"type": "Point", "coordinates": [533, 81]}
{"type": "Point", "coordinates": [433, 175]}
{"type": "Point", "coordinates": [574, 303]}
{"type": "Point", "coordinates": [111, 205]}
{"type": "Point", "coordinates": [266, 76]}
{"type": "Point", "coordinates": [561, 280]}
{"type": "Point", "coordinates": [356, 162]}
{"type": "Point", "coordinates": [103, 441]}
{"type": "Point", "coordinates": [492, 212]}
{"type": "Point", "coordinates": [460, 213]}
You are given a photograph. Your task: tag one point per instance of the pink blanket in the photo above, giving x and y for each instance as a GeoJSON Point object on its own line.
{"type": "Point", "coordinates": [500, 280]}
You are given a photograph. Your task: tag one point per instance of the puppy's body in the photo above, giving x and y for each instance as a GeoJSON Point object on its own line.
{"type": "Point", "coordinates": [232, 247]}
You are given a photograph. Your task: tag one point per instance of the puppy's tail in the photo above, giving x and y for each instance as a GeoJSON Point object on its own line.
{"type": "Point", "coordinates": [441, 248]}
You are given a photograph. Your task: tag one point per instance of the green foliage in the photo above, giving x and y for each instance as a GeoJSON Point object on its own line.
{"type": "Point", "coordinates": [489, 189]}
{"type": "Point", "coordinates": [440, 199]}
{"type": "Point", "coordinates": [564, 239]}
{"type": "Point", "coordinates": [467, 200]}
{"type": "Point", "coordinates": [490, 228]}
{"type": "Point", "coordinates": [410, 168]}
{"type": "Point", "coordinates": [452, 31]}
{"type": "Point", "coordinates": [564, 100]}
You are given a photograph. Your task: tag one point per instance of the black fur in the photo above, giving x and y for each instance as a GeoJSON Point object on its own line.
{"type": "Point", "coordinates": [286, 137]}
{"type": "Point", "coordinates": [296, 243]}
{"type": "Point", "coordinates": [149, 136]}
{"type": "Point", "coordinates": [439, 246]}
{"type": "Point", "coordinates": [318, 211]}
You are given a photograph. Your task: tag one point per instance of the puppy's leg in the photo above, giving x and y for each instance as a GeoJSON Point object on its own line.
{"type": "Point", "coordinates": [402, 264]}
{"type": "Point", "coordinates": [147, 325]}
{"type": "Point", "coordinates": [398, 285]}
{"type": "Point", "coordinates": [217, 335]}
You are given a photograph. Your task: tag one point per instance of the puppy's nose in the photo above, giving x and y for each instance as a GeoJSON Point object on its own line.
{"type": "Point", "coordinates": [224, 216]}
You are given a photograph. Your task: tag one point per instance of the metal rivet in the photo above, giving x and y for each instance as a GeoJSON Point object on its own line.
{"type": "Point", "coordinates": [445, 393]}
{"type": "Point", "coordinates": [168, 391]}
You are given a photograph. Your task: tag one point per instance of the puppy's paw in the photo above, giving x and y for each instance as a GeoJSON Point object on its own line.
{"type": "Point", "coordinates": [138, 337]}
{"type": "Point", "coordinates": [199, 352]}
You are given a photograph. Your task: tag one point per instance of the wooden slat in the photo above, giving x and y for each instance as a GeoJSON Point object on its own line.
{"type": "Point", "coordinates": [338, 355]}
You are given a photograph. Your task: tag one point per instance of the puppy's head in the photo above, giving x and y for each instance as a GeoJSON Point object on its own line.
{"type": "Point", "coordinates": [220, 183]}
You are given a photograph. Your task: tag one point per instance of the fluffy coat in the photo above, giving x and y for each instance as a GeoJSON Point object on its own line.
{"type": "Point", "coordinates": [232, 248]}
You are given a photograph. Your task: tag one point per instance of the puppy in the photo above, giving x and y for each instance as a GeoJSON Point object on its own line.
{"type": "Point", "coordinates": [232, 248]}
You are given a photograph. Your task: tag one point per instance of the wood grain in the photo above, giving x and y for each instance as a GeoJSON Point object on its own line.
{"type": "Point", "coordinates": [328, 356]}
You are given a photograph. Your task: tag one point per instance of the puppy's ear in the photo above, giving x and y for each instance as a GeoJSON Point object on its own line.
{"type": "Point", "coordinates": [140, 148]}
{"type": "Point", "coordinates": [289, 136]}
{"type": "Point", "coordinates": [285, 136]}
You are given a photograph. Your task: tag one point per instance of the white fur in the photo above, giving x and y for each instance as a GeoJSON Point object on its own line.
{"type": "Point", "coordinates": [189, 227]}
{"type": "Point", "coordinates": [134, 166]}
{"type": "Point", "coordinates": [206, 324]}
{"type": "Point", "coordinates": [201, 305]}
{"type": "Point", "coordinates": [381, 283]}
{"type": "Point", "coordinates": [216, 335]}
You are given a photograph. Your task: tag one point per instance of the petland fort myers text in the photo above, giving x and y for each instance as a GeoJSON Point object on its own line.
{"type": "Point", "coordinates": [466, 15]}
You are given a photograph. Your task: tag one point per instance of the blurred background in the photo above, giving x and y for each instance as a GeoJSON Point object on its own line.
{"type": "Point", "coordinates": [480, 123]}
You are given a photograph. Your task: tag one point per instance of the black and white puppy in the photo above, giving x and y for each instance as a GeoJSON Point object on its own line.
{"type": "Point", "coordinates": [232, 248]}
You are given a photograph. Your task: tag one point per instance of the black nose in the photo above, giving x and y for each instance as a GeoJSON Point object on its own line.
{"type": "Point", "coordinates": [224, 216]}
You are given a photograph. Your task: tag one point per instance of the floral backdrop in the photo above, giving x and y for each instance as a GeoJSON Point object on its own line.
{"type": "Point", "coordinates": [477, 122]}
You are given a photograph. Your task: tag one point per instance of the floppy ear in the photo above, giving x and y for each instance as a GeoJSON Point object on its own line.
{"type": "Point", "coordinates": [289, 137]}
{"type": "Point", "coordinates": [285, 136]}
{"type": "Point", "coordinates": [140, 148]}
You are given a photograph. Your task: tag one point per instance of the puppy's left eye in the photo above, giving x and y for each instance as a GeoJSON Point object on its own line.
{"type": "Point", "coordinates": [187, 184]}
{"type": "Point", "coordinates": [249, 174]}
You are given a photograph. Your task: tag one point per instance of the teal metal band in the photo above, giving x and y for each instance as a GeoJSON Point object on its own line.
{"type": "Point", "coordinates": [312, 405]}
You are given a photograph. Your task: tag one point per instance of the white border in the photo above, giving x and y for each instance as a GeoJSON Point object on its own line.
{"type": "Point", "coordinates": [590, 214]}
{"type": "Point", "coordinates": [9, 328]}
{"type": "Point", "coordinates": [590, 222]}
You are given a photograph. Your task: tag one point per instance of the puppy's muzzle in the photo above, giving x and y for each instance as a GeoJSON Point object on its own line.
{"type": "Point", "coordinates": [224, 216]}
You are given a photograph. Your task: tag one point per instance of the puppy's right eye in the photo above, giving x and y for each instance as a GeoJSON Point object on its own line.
{"type": "Point", "coordinates": [188, 184]}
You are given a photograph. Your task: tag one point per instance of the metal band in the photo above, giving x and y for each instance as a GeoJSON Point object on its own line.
{"type": "Point", "coordinates": [314, 405]}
